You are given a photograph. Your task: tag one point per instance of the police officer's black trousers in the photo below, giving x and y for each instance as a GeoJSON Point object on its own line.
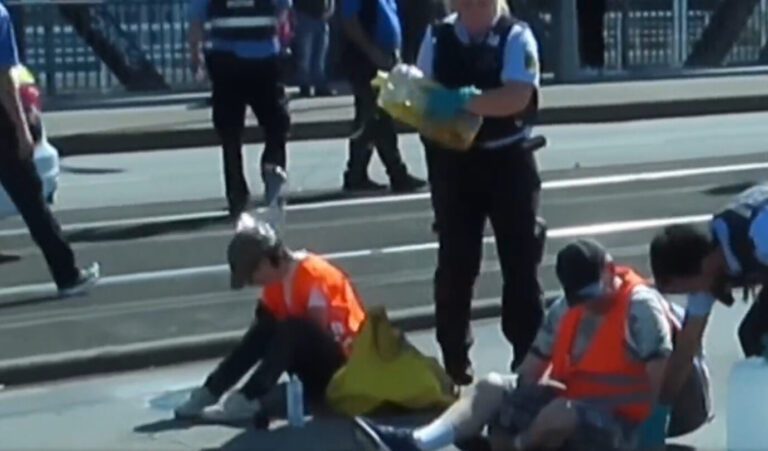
{"type": "Point", "coordinates": [25, 189]}
{"type": "Point", "coordinates": [755, 325]}
{"type": "Point", "coordinates": [373, 128]}
{"type": "Point", "coordinates": [591, 16]}
{"type": "Point", "coordinates": [298, 346]}
{"type": "Point", "coordinates": [467, 188]}
{"type": "Point", "coordinates": [238, 83]}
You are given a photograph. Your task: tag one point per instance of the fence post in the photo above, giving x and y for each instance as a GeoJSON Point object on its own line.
{"type": "Point", "coordinates": [566, 41]}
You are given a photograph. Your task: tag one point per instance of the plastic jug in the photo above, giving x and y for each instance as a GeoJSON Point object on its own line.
{"type": "Point", "coordinates": [403, 93]}
{"type": "Point", "coordinates": [747, 417]}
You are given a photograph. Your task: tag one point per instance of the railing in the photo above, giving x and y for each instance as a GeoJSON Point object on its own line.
{"type": "Point", "coordinates": [640, 34]}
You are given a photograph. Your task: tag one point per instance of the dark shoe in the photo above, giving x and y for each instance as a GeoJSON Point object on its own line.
{"type": "Point", "coordinates": [87, 279]}
{"type": "Point", "coordinates": [362, 185]}
{"type": "Point", "coordinates": [407, 183]}
{"type": "Point", "coordinates": [305, 91]}
{"type": "Point", "coordinates": [325, 92]}
{"type": "Point", "coordinates": [461, 373]}
{"type": "Point", "coordinates": [374, 437]}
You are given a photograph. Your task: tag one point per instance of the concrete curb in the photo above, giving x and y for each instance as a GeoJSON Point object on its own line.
{"type": "Point", "coordinates": [113, 359]}
{"type": "Point", "coordinates": [179, 138]}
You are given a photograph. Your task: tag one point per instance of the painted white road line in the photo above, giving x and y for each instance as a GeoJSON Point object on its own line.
{"type": "Point", "coordinates": [549, 185]}
{"type": "Point", "coordinates": [564, 232]}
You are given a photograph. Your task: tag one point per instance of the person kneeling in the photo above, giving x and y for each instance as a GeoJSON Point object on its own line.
{"type": "Point", "coordinates": [305, 323]}
{"type": "Point", "coordinates": [589, 381]}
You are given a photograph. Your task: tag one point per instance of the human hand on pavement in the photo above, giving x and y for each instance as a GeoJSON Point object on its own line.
{"type": "Point", "coordinates": [446, 103]}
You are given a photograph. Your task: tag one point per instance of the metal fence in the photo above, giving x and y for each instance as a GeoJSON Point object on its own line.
{"type": "Point", "coordinates": [639, 34]}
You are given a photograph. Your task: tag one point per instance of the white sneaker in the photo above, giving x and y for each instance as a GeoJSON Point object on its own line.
{"type": "Point", "coordinates": [87, 280]}
{"type": "Point", "coordinates": [199, 399]}
{"type": "Point", "coordinates": [234, 408]}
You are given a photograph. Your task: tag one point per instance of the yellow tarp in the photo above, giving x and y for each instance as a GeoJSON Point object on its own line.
{"type": "Point", "coordinates": [385, 370]}
{"type": "Point", "coordinates": [403, 94]}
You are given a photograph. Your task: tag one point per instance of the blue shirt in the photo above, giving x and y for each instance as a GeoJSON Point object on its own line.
{"type": "Point", "coordinates": [247, 48]}
{"type": "Point", "coordinates": [9, 54]}
{"type": "Point", "coordinates": [388, 33]}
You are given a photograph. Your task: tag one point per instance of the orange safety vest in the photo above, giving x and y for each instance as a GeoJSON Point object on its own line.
{"type": "Point", "coordinates": [345, 311]}
{"type": "Point", "coordinates": [604, 375]}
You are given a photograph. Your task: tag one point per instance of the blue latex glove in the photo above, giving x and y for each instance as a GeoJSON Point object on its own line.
{"type": "Point", "coordinates": [699, 304]}
{"type": "Point", "coordinates": [653, 431]}
{"type": "Point", "coordinates": [446, 103]}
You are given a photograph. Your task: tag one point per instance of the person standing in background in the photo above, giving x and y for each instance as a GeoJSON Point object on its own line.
{"type": "Point", "coordinates": [242, 42]}
{"type": "Point", "coordinates": [591, 14]}
{"type": "Point", "coordinates": [312, 31]}
{"type": "Point", "coordinates": [371, 41]}
{"type": "Point", "coordinates": [18, 175]}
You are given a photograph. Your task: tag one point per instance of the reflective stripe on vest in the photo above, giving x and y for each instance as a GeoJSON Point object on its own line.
{"type": "Point", "coordinates": [240, 22]}
{"type": "Point", "coordinates": [604, 375]}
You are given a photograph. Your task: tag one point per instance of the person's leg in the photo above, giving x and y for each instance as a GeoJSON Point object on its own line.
{"type": "Point", "coordinates": [460, 205]}
{"type": "Point", "coordinates": [754, 326]}
{"type": "Point", "coordinates": [228, 106]}
{"type": "Point", "coordinates": [591, 41]}
{"type": "Point", "coordinates": [25, 189]}
{"type": "Point", "coordinates": [303, 45]}
{"type": "Point", "coordinates": [319, 57]}
{"type": "Point", "coordinates": [361, 143]}
{"type": "Point", "coordinates": [513, 212]}
{"type": "Point", "coordinates": [270, 105]}
{"type": "Point", "coordinates": [244, 355]}
{"type": "Point", "coordinates": [465, 419]}
{"type": "Point", "coordinates": [295, 345]}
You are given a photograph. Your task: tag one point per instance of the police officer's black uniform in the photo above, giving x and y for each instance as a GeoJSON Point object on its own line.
{"type": "Point", "coordinates": [238, 82]}
{"type": "Point", "coordinates": [738, 217]}
{"type": "Point", "coordinates": [500, 183]}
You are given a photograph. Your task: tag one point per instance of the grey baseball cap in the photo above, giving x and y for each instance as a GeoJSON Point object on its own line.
{"type": "Point", "coordinates": [253, 242]}
{"type": "Point", "coordinates": [579, 268]}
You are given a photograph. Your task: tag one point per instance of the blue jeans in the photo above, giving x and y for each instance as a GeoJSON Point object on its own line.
{"type": "Point", "coordinates": [312, 49]}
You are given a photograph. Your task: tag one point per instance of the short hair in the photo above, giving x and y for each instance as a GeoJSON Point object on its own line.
{"type": "Point", "coordinates": [678, 251]}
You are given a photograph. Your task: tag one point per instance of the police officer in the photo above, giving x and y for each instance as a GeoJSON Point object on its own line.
{"type": "Point", "coordinates": [488, 62]}
{"type": "Point", "coordinates": [242, 56]}
{"type": "Point", "coordinates": [19, 177]}
{"type": "Point", "coordinates": [707, 266]}
{"type": "Point", "coordinates": [371, 41]}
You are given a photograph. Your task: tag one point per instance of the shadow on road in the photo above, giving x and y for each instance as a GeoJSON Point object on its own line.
{"type": "Point", "coordinates": [89, 171]}
{"type": "Point", "coordinates": [730, 190]}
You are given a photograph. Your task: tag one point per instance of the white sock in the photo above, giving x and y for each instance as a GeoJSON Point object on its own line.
{"type": "Point", "coordinates": [435, 436]}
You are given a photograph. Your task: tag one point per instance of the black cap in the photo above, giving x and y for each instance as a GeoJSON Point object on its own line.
{"type": "Point", "coordinates": [579, 268]}
{"type": "Point", "coordinates": [253, 242]}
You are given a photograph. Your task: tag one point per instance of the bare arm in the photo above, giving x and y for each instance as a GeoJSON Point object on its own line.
{"type": "Point", "coordinates": [680, 362]}
{"type": "Point", "coordinates": [9, 96]}
{"type": "Point", "coordinates": [510, 99]}
{"type": "Point", "coordinates": [10, 102]}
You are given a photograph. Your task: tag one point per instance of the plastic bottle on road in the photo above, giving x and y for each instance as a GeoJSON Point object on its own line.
{"type": "Point", "coordinates": [295, 401]}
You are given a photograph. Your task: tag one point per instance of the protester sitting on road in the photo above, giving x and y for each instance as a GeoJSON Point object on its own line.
{"type": "Point", "coordinates": [707, 266]}
{"type": "Point", "coordinates": [606, 343]}
{"type": "Point", "coordinates": [305, 322]}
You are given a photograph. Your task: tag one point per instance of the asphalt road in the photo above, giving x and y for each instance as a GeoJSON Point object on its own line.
{"type": "Point", "coordinates": [169, 279]}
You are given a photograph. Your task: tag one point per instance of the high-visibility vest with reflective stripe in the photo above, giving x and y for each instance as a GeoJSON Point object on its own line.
{"type": "Point", "coordinates": [345, 310]}
{"type": "Point", "coordinates": [241, 19]}
{"type": "Point", "coordinates": [604, 375]}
